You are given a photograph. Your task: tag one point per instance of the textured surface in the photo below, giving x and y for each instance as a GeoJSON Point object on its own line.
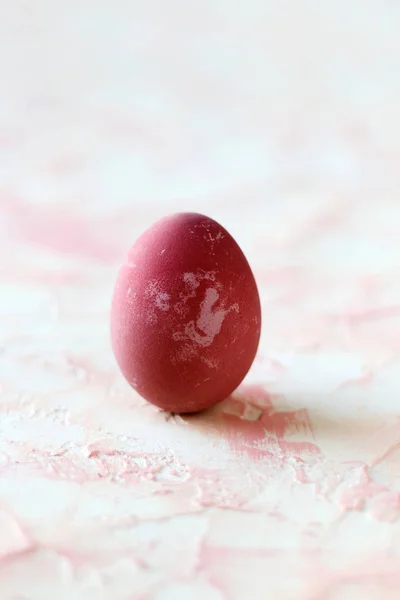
{"type": "Point", "coordinates": [280, 120]}
{"type": "Point", "coordinates": [186, 314]}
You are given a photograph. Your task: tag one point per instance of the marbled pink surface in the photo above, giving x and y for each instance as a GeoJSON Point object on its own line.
{"type": "Point", "coordinates": [281, 120]}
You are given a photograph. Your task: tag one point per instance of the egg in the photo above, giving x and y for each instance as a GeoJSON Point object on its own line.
{"type": "Point", "coordinates": [186, 314]}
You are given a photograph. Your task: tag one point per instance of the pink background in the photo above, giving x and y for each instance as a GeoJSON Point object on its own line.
{"type": "Point", "coordinates": [281, 120]}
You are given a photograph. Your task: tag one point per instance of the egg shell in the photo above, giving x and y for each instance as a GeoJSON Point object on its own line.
{"type": "Point", "coordinates": [186, 315]}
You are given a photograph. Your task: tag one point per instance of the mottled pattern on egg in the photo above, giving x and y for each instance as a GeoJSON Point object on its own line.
{"type": "Point", "coordinates": [186, 316]}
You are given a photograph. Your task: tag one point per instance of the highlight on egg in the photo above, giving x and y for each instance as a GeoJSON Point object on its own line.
{"type": "Point", "coordinates": [186, 314]}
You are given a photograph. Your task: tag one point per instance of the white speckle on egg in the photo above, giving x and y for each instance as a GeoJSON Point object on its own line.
{"type": "Point", "coordinates": [213, 364]}
{"type": "Point", "coordinates": [161, 299]}
{"type": "Point", "coordinates": [181, 309]}
{"type": "Point", "coordinates": [151, 318]}
{"type": "Point", "coordinates": [131, 296]}
{"type": "Point", "coordinates": [184, 353]}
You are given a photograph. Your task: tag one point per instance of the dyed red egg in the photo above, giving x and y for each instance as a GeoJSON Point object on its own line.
{"type": "Point", "coordinates": [186, 315]}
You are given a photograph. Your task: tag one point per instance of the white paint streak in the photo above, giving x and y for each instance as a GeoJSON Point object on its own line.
{"type": "Point", "coordinates": [209, 322]}
{"type": "Point", "coordinates": [192, 282]}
